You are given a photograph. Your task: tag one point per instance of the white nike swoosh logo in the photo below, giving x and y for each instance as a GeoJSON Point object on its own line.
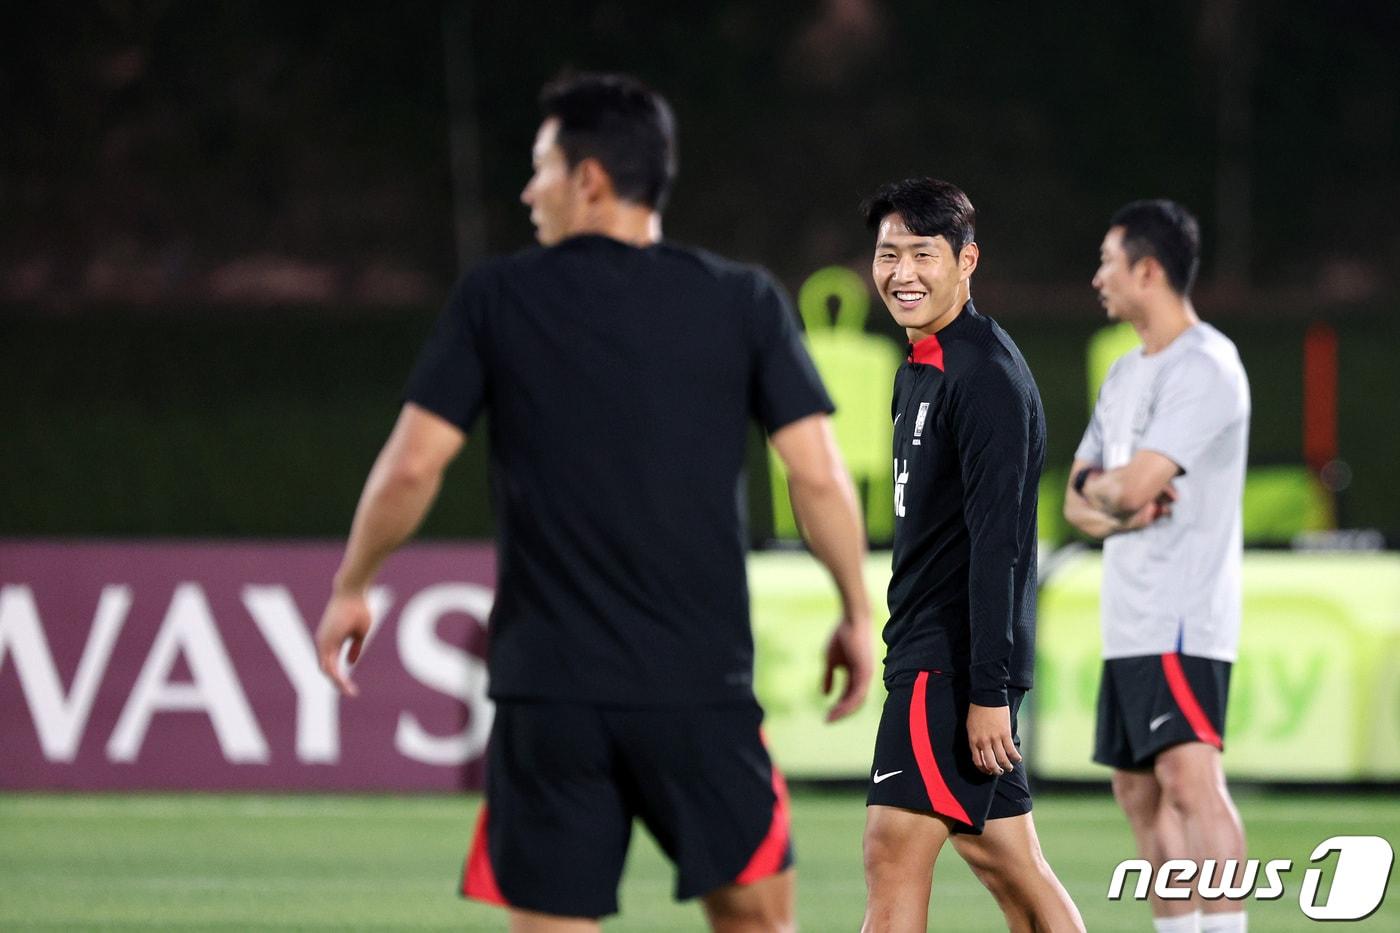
{"type": "Point", "coordinates": [1152, 726]}
{"type": "Point", "coordinates": [888, 774]}
{"type": "Point", "coordinates": [896, 421]}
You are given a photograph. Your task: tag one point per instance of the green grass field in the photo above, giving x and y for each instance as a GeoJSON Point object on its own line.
{"type": "Point", "coordinates": [354, 862]}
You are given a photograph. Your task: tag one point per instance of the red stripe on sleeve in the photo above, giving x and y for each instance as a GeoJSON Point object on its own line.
{"type": "Point", "coordinates": [479, 879]}
{"type": "Point", "coordinates": [768, 857]}
{"type": "Point", "coordinates": [1186, 699]}
{"type": "Point", "coordinates": [939, 795]}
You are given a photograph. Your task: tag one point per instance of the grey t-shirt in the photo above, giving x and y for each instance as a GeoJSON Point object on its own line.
{"type": "Point", "coordinates": [1175, 585]}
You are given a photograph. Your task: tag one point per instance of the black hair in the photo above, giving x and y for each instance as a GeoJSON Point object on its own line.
{"type": "Point", "coordinates": [625, 125]}
{"type": "Point", "coordinates": [928, 207]}
{"type": "Point", "coordinates": [1165, 231]}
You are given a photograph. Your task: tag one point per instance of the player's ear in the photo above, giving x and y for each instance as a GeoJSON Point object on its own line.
{"type": "Point", "coordinates": [593, 180]}
{"type": "Point", "coordinates": [967, 260]}
{"type": "Point", "coordinates": [1150, 271]}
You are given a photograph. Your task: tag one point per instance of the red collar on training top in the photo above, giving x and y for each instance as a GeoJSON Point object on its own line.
{"type": "Point", "coordinates": [927, 351]}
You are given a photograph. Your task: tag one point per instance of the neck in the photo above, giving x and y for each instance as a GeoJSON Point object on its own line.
{"type": "Point", "coordinates": [634, 224]}
{"type": "Point", "coordinates": [1164, 323]}
{"type": "Point", "coordinates": [945, 317]}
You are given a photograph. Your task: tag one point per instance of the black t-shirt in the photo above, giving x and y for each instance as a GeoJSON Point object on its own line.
{"type": "Point", "coordinates": [620, 382]}
{"type": "Point", "coordinates": [969, 445]}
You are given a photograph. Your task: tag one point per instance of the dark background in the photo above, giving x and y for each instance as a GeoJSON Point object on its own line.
{"type": "Point", "coordinates": [227, 226]}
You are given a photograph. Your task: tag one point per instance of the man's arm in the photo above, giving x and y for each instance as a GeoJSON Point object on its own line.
{"type": "Point", "coordinates": [401, 487]}
{"type": "Point", "coordinates": [1089, 518]}
{"type": "Point", "coordinates": [824, 503]}
{"type": "Point", "coordinates": [992, 418]}
{"type": "Point", "coordinates": [1125, 491]}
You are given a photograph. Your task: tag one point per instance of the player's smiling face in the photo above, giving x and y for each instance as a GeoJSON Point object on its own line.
{"type": "Point", "coordinates": [920, 279]}
{"type": "Point", "coordinates": [551, 194]}
{"type": "Point", "coordinates": [1116, 280]}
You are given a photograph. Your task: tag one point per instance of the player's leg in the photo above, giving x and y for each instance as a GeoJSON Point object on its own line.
{"type": "Point", "coordinates": [923, 784]}
{"type": "Point", "coordinates": [900, 849]}
{"type": "Point", "coordinates": [1194, 791]}
{"type": "Point", "coordinates": [1157, 830]}
{"type": "Point", "coordinates": [1008, 860]}
{"type": "Point", "coordinates": [1132, 720]}
{"type": "Point", "coordinates": [1186, 745]}
{"type": "Point", "coordinates": [765, 906]}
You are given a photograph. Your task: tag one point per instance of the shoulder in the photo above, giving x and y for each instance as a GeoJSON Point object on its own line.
{"type": "Point", "coordinates": [718, 269]}
{"type": "Point", "coordinates": [1124, 365]}
{"type": "Point", "coordinates": [488, 272]}
{"type": "Point", "coordinates": [1208, 355]}
{"type": "Point", "coordinates": [476, 288]}
{"type": "Point", "coordinates": [528, 261]}
{"type": "Point", "coordinates": [981, 353]}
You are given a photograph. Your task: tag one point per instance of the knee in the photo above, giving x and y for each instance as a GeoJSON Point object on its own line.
{"type": "Point", "coordinates": [880, 850]}
{"type": "Point", "coordinates": [1138, 797]}
{"type": "Point", "coordinates": [1008, 877]}
{"type": "Point", "coordinates": [999, 879]}
{"type": "Point", "coordinates": [1186, 790]}
{"type": "Point", "coordinates": [888, 849]}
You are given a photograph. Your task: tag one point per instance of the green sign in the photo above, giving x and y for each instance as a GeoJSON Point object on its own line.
{"type": "Point", "coordinates": [1314, 696]}
{"type": "Point", "coordinates": [858, 369]}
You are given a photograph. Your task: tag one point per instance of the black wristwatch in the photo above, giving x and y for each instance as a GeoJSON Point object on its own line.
{"type": "Point", "coordinates": [1082, 477]}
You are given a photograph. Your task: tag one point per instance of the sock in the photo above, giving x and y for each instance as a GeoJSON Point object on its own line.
{"type": "Point", "coordinates": [1224, 923]}
{"type": "Point", "coordinates": [1186, 923]}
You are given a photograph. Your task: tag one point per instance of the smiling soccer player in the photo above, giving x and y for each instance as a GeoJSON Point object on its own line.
{"type": "Point", "coordinates": [969, 446]}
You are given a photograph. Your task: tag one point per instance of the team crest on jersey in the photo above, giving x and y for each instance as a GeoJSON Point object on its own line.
{"type": "Point", "coordinates": [919, 423]}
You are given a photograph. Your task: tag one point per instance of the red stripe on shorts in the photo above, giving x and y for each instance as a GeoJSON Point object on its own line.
{"type": "Point", "coordinates": [939, 795]}
{"type": "Point", "coordinates": [768, 857]}
{"type": "Point", "coordinates": [1186, 699]}
{"type": "Point", "coordinates": [479, 880]}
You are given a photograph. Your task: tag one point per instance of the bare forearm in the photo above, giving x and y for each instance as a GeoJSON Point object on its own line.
{"type": "Point", "coordinates": [1088, 519]}
{"type": "Point", "coordinates": [1107, 493]}
{"type": "Point", "coordinates": [391, 508]}
{"type": "Point", "coordinates": [829, 516]}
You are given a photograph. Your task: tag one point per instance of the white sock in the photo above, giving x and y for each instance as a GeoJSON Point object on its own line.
{"type": "Point", "coordinates": [1224, 923]}
{"type": "Point", "coordinates": [1186, 923]}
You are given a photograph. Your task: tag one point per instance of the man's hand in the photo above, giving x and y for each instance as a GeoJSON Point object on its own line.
{"type": "Point", "coordinates": [1161, 507]}
{"type": "Point", "coordinates": [347, 619]}
{"type": "Point", "coordinates": [848, 649]}
{"type": "Point", "coordinates": [989, 735]}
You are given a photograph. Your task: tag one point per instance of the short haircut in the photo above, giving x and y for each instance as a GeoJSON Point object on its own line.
{"type": "Point", "coordinates": [1165, 231]}
{"type": "Point", "coordinates": [928, 207]}
{"type": "Point", "coordinates": [622, 123]}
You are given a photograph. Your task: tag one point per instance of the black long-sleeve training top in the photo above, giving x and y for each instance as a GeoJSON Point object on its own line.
{"type": "Point", "coordinates": [969, 445]}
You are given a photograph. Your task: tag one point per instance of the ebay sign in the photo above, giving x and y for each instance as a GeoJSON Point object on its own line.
{"type": "Point", "coordinates": [192, 665]}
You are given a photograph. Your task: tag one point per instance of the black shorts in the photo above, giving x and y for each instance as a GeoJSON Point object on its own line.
{"type": "Point", "coordinates": [564, 782]}
{"type": "Point", "coordinates": [923, 760]}
{"type": "Point", "coordinates": [1149, 703]}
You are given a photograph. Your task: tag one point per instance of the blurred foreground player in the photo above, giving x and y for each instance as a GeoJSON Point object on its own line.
{"type": "Point", "coordinates": [621, 372]}
{"type": "Point", "coordinates": [1159, 476]}
{"type": "Point", "coordinates": [969, 444]}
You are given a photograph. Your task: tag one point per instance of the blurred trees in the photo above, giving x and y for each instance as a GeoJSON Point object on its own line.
{"type": "Point", "coordinates": [229, 153]}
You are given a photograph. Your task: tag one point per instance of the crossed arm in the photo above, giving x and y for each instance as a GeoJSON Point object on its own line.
{"type": "Point", "coordinates": [1123, 499]}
